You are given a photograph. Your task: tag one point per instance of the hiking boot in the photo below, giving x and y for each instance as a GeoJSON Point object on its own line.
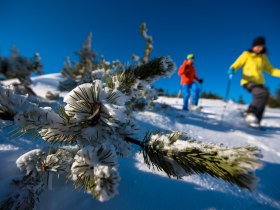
{"type": "Point", "coordinates": [255, 125]}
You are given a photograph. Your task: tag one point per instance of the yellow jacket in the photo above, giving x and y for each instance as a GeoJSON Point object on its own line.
{"type": "Point", "coordinates": [253, 64]}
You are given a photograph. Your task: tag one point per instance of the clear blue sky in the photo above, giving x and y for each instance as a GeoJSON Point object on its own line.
{"type": "Point", "coordinates": [215, 31]}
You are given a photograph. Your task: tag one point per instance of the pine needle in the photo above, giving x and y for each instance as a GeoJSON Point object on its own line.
{"type": "Point", "coordinates": [235, 165]}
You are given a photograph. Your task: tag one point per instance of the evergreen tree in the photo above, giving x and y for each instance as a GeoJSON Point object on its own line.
{"type": "Point", "coordinates": [80, 72]}
{"type": "Point", "coordinates": [160, 91]}
{"type": "Point", "coordinates": [278, 94]}
{"type": "Point", "coordinates": [241, 100]}
{"type": "Point", "coordinates": [17, 66]}
{"type": "Point", "coordinates": [274, 100]}
{"type": "Point", "coordinates": [210, 95]}
{"type": "Point", "coordinates": [95, 127]}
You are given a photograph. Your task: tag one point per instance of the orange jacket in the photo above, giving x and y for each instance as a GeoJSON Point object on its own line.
{"type": "Point", "coordinates": [187, 73]}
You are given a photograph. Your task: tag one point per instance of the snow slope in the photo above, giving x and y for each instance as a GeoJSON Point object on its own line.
{"type": "Point", "coordinates": [144, 189]}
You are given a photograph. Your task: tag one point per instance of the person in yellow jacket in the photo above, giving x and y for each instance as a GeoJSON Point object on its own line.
{"type": "Point", "coordinates": [253, 62]}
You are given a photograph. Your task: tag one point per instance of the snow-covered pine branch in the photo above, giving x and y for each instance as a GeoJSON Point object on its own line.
{"type": "Point", "coordinates": [92, 115]}
{"type": "Point", "coordinates": [95, 118]}
{"type": "Point", "coordinates": [135, 81]}
{"type": "Point", "coordinates": [95, 169]}
{"type": "Point", "coordinates": [179, 156]}
{"type": "Point", "coordinates": [155, 69]}
{"type": "Point", "coordinates": [25, 193]}
{"type": "Point", "coordinates": [95, 127]}
{"type": "Point", "coordinates": [39, 168]}
{"type": "Point", "coordinates": [24, 113]}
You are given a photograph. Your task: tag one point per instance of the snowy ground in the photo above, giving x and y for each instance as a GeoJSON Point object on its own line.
{"type": "Point", "coordinates": [144, 189]}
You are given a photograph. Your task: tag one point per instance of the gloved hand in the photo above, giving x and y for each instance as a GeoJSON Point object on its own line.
{"type": "Point", "coordinates": [231, 71]}
{"type": "Point", "coordinates": [200, 81]}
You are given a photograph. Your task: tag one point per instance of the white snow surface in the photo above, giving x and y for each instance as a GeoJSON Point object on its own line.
{"type": "Point", "coordinates": [142, 188]}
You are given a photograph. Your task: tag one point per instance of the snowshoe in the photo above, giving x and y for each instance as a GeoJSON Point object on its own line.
{"type": "Point", "coordinates": [252, 121]}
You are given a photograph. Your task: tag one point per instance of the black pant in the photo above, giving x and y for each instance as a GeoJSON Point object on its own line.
{"type": "Point", "coordinates": [260, 98]}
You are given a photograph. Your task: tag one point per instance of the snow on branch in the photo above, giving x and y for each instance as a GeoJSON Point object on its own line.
{"type": "Point", "coordinates": [95, 169]}
{"type": "Point", "coordinates": [156, 68]}
{"type": "Point", "coordinates": [97, 122]}
{"type": "Point", "coordinates": [95, 126]}
{"type": "Point", "coordinates": [25, 113]}
{"type": "Point", "coordinates": [179, 156]}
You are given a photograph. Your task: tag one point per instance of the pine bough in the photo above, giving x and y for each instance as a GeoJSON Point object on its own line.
{"type": "Point", "coordinates": [95, 128]}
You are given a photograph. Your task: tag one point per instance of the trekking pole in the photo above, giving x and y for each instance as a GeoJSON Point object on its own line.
{"type": "Point", "coordinates": [226, 97]}
{"type": "Point", "coordinates": [179, 92]}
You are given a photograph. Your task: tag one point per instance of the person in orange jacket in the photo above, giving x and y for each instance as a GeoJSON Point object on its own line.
{"type": "Point", "coordinates": [188, 81]}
